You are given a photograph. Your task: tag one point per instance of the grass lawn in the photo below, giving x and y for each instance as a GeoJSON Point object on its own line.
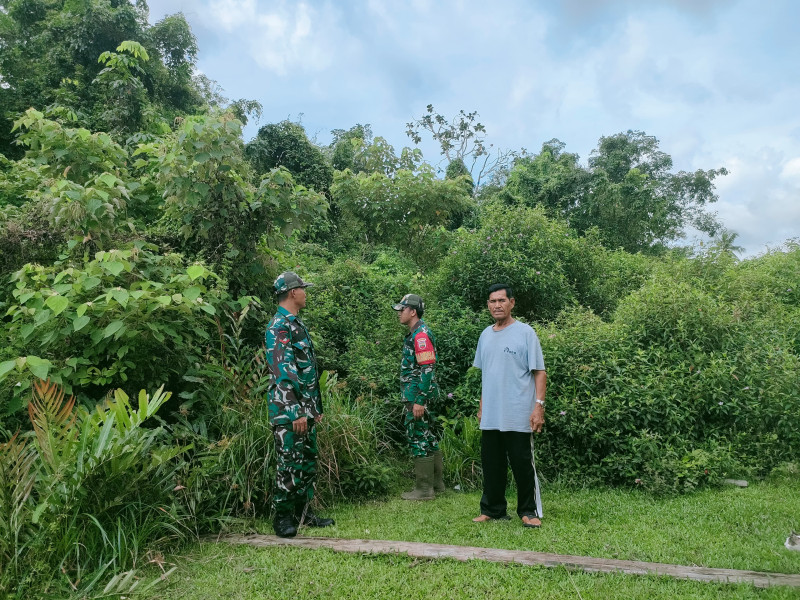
{"type": "Point", "coordinates": [728, 528]}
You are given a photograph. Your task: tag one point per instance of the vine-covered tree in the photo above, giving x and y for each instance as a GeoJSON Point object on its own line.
{"type": "Point", "coordinates": [628, 191]}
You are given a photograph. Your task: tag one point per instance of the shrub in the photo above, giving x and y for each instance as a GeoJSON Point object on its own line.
{"type": "Point", "coordinates": [675, 314]}
{"type": "Point", "coordinates": [350, 314]}
{"type": "Point", "coordinates": [528, 252]}
{"type": "Point", "coordinates": [97, 323]}
{"type": "Point", "coordinates": [665, 399]}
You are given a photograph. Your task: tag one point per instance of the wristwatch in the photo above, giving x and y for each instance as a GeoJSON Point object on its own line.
{"type": "Point", "coordinates": [538, 401]}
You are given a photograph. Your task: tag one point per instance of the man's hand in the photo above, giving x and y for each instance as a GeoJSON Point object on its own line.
{"type": "Point", "coordinates": [419, 411]}
{"type": "Point", "coordinates": [480, 412]}
{"type": "Point", "coordinates": [537, 418]}
{"type": "Point", "coordinates": [300, 426]}
{"type": "Point", "coordinates": [318, 418]}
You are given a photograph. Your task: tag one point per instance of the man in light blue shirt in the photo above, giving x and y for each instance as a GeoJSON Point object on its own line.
{"type": "Point", "coordinates": [513, 385]}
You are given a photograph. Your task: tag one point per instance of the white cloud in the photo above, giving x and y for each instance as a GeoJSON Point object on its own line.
{"type": "Point", "coordinates": [232, 14]}
{"type": "Point", "coordinates": [791, 171]}
{"type": "Point", "coordinates": [281, 37]}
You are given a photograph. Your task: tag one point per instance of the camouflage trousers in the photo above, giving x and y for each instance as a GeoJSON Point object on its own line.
{"type": "Point", "coordinates": [296, 468]}
{"type": "Point", "coordinates": [422, 434]}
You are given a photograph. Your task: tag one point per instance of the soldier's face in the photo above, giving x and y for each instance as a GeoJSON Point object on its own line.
{"type": "Point", "coordinates": [299, 297]}
{"type": "Point", "coordinates": [405, 315]}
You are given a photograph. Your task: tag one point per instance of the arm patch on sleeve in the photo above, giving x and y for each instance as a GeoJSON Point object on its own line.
{"type": "Point", "coordinates": [423, 349]}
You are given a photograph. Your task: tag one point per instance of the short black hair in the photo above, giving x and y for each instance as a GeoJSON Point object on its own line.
{"type": "Point", "coordinates": [420, 311]}
{"type": "Point", "coordinates": [282, 296]}
{"type": "Point", "coordinates": [501, 286]}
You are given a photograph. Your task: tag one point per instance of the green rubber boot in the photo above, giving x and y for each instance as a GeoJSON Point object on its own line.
{"type": "Point", "coordinates": [438, 472]}
{"type": "Point", "coordinates": [423, 489]}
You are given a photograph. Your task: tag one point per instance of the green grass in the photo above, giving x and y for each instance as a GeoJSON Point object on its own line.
{"type": "Point", "coordinates": [726, 528]}
{"type": "Point", "coordinates": [239, 573]}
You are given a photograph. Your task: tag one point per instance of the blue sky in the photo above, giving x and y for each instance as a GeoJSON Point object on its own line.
{"type": "Point", "coordinates": [717, 82]}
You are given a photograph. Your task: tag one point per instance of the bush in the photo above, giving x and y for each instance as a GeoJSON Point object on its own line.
{"type": "Point", "coordinates": [528, 252]}
{"type": "Point", "coordinates": [351, 320]}
{"type": "Point", "coordinates": [96, 323]}
{"type": "Point", "coordinates": [675, 393]}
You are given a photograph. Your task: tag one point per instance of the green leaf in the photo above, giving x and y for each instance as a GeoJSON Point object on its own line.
{"type": "Point", "coordinates": [112, 328]}
{"type": "Point", "coordinates": [115, 268]}
{"type": "Point", "coordinates": [165, 300]}
{"type": "Point", "coordinates": [90, 282]}
{"type": "Point", "coordinates": [57, 303]}
{"type": "Point", "coordinates": [81, 309]}
{"type": "Point", "coordinates": [41, 317]}
{"type": "Point", "coordinates": [192, 293]}
{"type": "Point", "coordinates": [37, 513]}
{"type": "Point", "coordinates": [5, 367]}
{"type": "Point", "coordinates": [38, 366]}
{"type": "Point", "coordinates": [108, 179]}
{"type": "Point", "coordinates": [208, 308]}
{"type": "Point", "coordinates": [121, 295]}
{"type": "Point", "coordinates": [195, 271]}
{"type": "Point", "coordinates": [80, 322]}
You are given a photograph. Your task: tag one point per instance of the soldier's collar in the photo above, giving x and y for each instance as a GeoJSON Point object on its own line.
{"type": "Point", "coordinates": [286, 313]}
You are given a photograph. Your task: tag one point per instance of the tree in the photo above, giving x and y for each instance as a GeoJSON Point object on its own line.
{"type": "Point", "coordinates": [217, 212]}
{"type": "Point", "coordinates": [726, 243]}
{"type": "Point", "coordinates": [346, 144]}
{"type": "Point", "coordinates": [552, 179]}
{"type": "Point", "coordinates": [378, 208]}
{"type": "Point", "coordinates": [628, 191]}
{"type": "Point", "coordinates": [286, 144]}
{"type": "Point", "coordinates": [121, 85]}
{"type": "Point", "coordinates": [461, 138]}
{"type": "Point", "coordinates": [637, 202]}
{"type": "Point", "coordinates": [49, 50]}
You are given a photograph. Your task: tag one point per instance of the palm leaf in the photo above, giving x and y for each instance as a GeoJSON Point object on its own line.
{"type": "Point", "coordinates": [53, 420]}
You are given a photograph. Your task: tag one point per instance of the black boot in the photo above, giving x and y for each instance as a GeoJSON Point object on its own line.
{"type": "Point", "coordinates": [284, 526]}
{"type": "Point", "coordinates": [309, 519]}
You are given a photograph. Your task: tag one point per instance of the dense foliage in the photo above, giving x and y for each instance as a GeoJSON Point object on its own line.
{"type": "Point", "coordinates": [139, 240]}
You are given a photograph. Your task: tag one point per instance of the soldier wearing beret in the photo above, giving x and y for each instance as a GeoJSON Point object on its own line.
{"type": "Point", "coordinates": [295, 407]}
{"type": "Point", "coordinates": [420, 395]}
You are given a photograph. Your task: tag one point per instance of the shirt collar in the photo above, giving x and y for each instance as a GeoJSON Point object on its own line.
{"type": "Point", "coordinates": [286, 313]}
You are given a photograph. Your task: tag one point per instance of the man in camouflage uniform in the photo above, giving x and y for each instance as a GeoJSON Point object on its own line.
{"type": "Point", "coordinates": [420, 395]}
{"type": "Point", "coordinates": [295, 407]}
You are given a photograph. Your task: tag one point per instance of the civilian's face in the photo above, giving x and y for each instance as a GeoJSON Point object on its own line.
{"type": "Point", "coordinates": [500, 305]}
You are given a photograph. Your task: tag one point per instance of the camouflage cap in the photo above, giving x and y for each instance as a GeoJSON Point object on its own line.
{"type": "Point", "coordinates": [411, 301]}
{"type": "Point", "coordinates": [288, 280]}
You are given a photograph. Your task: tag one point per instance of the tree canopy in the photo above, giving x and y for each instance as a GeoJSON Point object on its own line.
{"type": "Point", "coordinates": [628, 191]}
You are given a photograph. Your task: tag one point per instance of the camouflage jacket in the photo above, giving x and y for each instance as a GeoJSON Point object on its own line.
{"type": "Point", "coordinates": [418, 367]}
{"type": "Point", "coordinates": [294, 385]}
